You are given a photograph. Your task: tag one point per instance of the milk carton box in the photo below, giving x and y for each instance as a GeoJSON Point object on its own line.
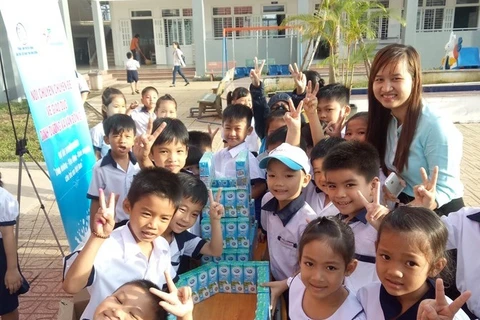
{"type": "Point", "coordinates": [243, 255]}
{"type": "Point", "coordinates": [250, 277]}
{"type": "Point", "coordinates": [263, 307]}
{"type": "Point", "coordinates": [206, 259]}
{"type": "Point", "coordinates": [192, 282]}
{"type": "Point", "coordinates": [237, 278]}
{"type": "Point", "coordinates": [206, 229]}
{"type": "Point", "coordinates": [229, 202]}
{"type": "Point", "coordinates": [231, 232]}
{"type": "Point", "coordinates": [206, 165]}
{"type": "Point", "coordinates": [242, 168]}
{"type": "Point", "coordinates": [243, 233]}
{"type": "Point", "coordinates": [229, 255]}
{"type": "Point", "coordinates": [204, 291]}
{"type": "Point", "coordinates": [263, 275]}
{"type": "Point", "coordinates": [224, 280]}
{"type": "Point", "coordinates": [243, 202]}
{"type": "Point", "coordinates": [212, 278]}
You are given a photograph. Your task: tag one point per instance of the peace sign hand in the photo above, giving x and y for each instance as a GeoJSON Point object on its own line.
{"type": "Point", "coordinates": [293, 117]}
{"type": "Point", "coordinates": [375, 211]}
{"type": "Point", "coordinates": [105, 217]}
{"type": "Point", "coordinates": [143, 143]}
{"type": "Point", "coordinates": [310, 102]}
{"type": "Point", "coordinates": [439, 309]}
{"type": "Point", "coordinates": [334, 128]}
{"type": "Point", "coordinates": [299, 78]}
{"type": "Point", "coordinates": [212, 133]}
{"type": "Point", "coordinates": [216, 208]}
{"type": "Point", "coordinates": [256, 73]}
{"type": "Point", "coordinates": [425, 192]}
{"type": "Point", "coordinates": [178, 302]}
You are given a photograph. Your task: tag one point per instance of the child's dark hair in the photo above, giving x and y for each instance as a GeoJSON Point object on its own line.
{"type": "Point", "coordinates": [339, 235]}
{"type": "Point", "coordinates": [108, 95]}
{"type": "Point", "coordinates": [361, 157]}
{"type": "Point", "coordinates": [237, 112]}
{"type": "Point", "coordinates": [129, 55]}
{"type": "Point", "coordinates": [145, 285]}
{"type": "Point", "coordinates": [147, 89]}
{"type": "Point", "coordinates": [200, 139]}
{"type": "Point", "coordinates": [314, 77]}
{"type": "Point", "coordinates": [174, 131]}
{"type": "Point", "coordinates": [155, 181]}
{"type": "Point", "coordinates": [279, 136]}
{"type": "Point", "coordinates": [362, 115]}
{"type": "Point", "coordinates": [335, 92]}
{"type": "Point", "coordinates": [1, 182]}
{"type": "Point", "coordinates": [321, 149]}
{"type": "Point", "coordinates": [193, 188]}
{"type": "Point", "coordinates": [275, 114]}
{"type": "Point", "coordinates": [118, 123]}
{"type": "Point", "coordinates": [306, 135]}
{"type": "Point", "coordinates": [194, 156]}
{"type": "Point", "coordinates": [238, 93]}
{"type": "Point", "coordinates": [165, 97]}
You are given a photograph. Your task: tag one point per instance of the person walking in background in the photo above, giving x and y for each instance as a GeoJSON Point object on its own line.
{"type": "Point", "coordinates": [135, 47]}
{"type": "Point", "coordinates": [178, 63]}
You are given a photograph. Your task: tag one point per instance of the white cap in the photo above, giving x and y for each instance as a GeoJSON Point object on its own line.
{"type": "Point", "coordinates": [293, 157]}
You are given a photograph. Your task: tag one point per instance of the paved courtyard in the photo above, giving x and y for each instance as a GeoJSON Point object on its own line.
{"type": "Point", "coordinates": [40, 257]}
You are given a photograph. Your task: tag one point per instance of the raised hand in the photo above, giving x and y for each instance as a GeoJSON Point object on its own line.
{"type": "Point", "coordinates": [334, 128]}
{"type": "Point", "coordinates": [299, 78]}
{"type": "Point", "coordinates": [439, 309]}
{"type": "Point", "coordinates": [293, 117]}
{"type": "Point", "coordinates": [256, 73]}
{"type": "Point", "coordinates": [178, 302]}
{"type": "Point", "coordinates": [375, 211]}
{"type": "Point", "coordinates": [104, 219]}
{"type": "Point", "coordinates": [425, 192]}
{"type": "Point", "coordinates": [143, 143]}
{"type": "Point", "coordinates": [216, 208]}
{"type": "Point", "coordinates": [310, 102]}
{"type": "Point", "coordinates": [211, 132]}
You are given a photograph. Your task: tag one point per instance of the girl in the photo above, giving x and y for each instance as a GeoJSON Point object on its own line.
{"type": "Point", "coordinates": [166, 107]}
{"type": "Point", "coordinates": [317, 292]}
{"type": "Point", "coordinates": [407, 133]}
{"type": "Point", "coordinates": [273, 121]}
{"type": "Point", "coordinates": [12, 282]}
{"type": "Point", "coordinates": [113, 102]}
{"type": "Point", "coordinates": [410, 252]}
{"type": "Point", "coordinates": [356, 127]}
{"type": "Point", "coordinates": [178, 63]}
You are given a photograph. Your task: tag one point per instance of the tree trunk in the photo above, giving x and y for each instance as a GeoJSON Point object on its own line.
{"type": "Point", "coordinates": [366, 59]}
{"type": "Point", "coordinates": [305, 55]}
{"type": "Point", "coordinates": [317, 43]}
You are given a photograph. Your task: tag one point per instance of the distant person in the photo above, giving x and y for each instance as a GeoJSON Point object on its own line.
{"type": "Point", "coordinates": [82, 86]}
{"type": "Point", "coordinates": [178, 63]}
{"type": "Point", "coordinates": [135, 47]}
{"type": "Point", "coordinates": [132, 67]}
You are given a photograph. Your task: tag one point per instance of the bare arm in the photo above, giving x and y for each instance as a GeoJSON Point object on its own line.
{"type": "Point", "coordinates": [13, 280]}
{"type": "Point", "coordinates": [215, 246]}
{"type": "Point", "coordinates": [94, 206]}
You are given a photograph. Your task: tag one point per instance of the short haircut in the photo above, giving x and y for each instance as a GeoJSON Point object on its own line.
{"type": "Point", "coordinates": [174, 131]}
{"type": "Point", "coordinates": [306, 135]}
{"type": "Point", "coordinates": [165, 97]}
{"type": "Point", "coordinates": [118, 123]}
{"type": "Point", "coordinates": [360, 157]}
{"type": "Point", "coordinates": [238, 112]}
{"type": "Point", "coordinates": [193, 188]}
{"type": "Point", "coordinates": [200, 139]}
{"type": "Point", "coordinates": [321, 149]}
{"type": "Point", "coordinates": [275, 114]}
{"type": "Point", "coordinates": [129, 55]}
{"type": "Point", "coordinates": [194, 156]}
{"type": "Point", "coordinates": [147, 89]}
{"type": "Point", "coordinates": [280, 136]}
{"type": "Point", "coordinates": [145, 285]}
{"type": "Point", "coordinates": [362, 115]}
{"type": "Point", "coordinates": [314, 77]}
{"type": "Point", "coordinates": [155, 181]}
{"type": "Point", "coordinates": [335, 92]}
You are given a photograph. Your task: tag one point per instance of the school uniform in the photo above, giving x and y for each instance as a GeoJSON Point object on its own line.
{"type": "Point", "coordinates": [316, 199]}
{"type": "Point", "coordinates": [185, 244]}
{"type": "Point", "coordinates": [351, 309]}
{"type": "Point", "coordinates": [365, 237]}
{"type": "Point", "coordinates": [284, 229]}
{"type": "Point", "coordinates": [97, 133]}
{"type": "Point", "coordinates": [380, 305]}
{"type": "Point", "coordinates": [120, 260]}
{"type": "Point", "coordinates": [464, 235]}
{"type": "Point", "coordinates": [111, 177]}
{"type": "Point", "coordinates": [141, 116]}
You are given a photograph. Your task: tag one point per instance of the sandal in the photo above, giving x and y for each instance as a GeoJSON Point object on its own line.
{"type": "Point", "coordinates": [137, 91]}
{"type": "Point", "coordinates": [133, 93]}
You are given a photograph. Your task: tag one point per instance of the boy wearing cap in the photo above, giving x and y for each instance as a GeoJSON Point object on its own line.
{"type": "Point", "coordinates": [284, 209]}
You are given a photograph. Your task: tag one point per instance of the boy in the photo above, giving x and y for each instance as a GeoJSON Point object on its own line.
{"type": "Point", "coordinates": [132, 74]}
{"type": "Point", "coordinates": [237, 125]}
{"type": "Point", "coordinates": [201, 140]}
{"type": "Point", "coordinates": [166, 107]}
{"type": "Point", "coordinates": [141, 114]}
{"type": "Point", "coordinates": [352, 167]}
{"type": "Point", "coordinates": [184, 243]}
{"type": "Point", "coordinates": [193, 160]}
{"type": "Point", "coordinates": [284, 210]}
{"type": "Point", "coordinates": [110, 257]}
{"type": "Point", "coordinates": [114, 172]}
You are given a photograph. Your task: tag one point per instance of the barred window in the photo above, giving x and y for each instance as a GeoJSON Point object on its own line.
{"type": "Point", "coordinates": [223, 18]}
{"type": "Point", "coordinates": [187, 12]}
{"type": "Point", "coordinates": [170, 13]}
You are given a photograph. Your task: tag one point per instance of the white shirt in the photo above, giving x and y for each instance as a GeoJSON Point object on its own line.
{"type": "Point", "coordinates": [8, 209]}
{"type": "Point", "coordinates": [283, 239]}
{"type": "Point", "coordinates": [112, 178]}
{"type": "Point", "coordinates": [132, 64]}
{"type": "Point", "coordinates": [252, 140]}
{"type": "Point", "coordinates": [120, 260]}
{"type": "Point", "coordinates": [177, 58]}
{"type": "Point", "coordinates": [350, 309]}
{"type": "Point", "coordinates": [185, 244]}
{"type": "Point", "coordinates": [97, 133]}
{"type": "Point", "coordinates": [464, 235]}
{"type": "Point", "coordinates": [316, 199]}
{"type": "Point", "coordinates": [141, 116]}
{"type": "Point", "coordinates": [224, 162]}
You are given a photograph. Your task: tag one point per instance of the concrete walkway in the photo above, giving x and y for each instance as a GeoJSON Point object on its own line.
{"type": "Point", "coordinates": [40, 258]}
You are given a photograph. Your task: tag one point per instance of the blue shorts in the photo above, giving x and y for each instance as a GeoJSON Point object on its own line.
{"type": "Point", "coordinates": [132, 76]}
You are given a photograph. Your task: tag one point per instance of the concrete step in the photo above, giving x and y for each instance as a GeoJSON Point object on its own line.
{"type": "Point", "coordinates": [152, 73]}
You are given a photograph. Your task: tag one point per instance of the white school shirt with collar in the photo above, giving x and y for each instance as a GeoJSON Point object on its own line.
{"type": "Point", "coordinates": [97, 133]}
{"type": "Point", "coordinates": [351, 309]}
{"type": "Point", "coordinates": [252, 140]}
{"type": "Point", "coordinates": [120, 260]}
{"type": "Point", "coordinates": [316, 199]}
{"type": "Point", "coordinates": [132, 64]}
{"type": "Point", "coordinates": [378, 304]}
{"type": "Point", "coordinates": [224, 163]}
{"type": "Point", "coordinates": [8, 209]}
{"type": "Point", "coordinates": [464, 235]}
{"type": "Point", "coordinates": [112, 178]}
{"type": "Point", "coordinates": [141, 116]}
{"type": "Point", "coordinates": [185, 244]}
{"type": "Point", "coordinates": [283, 238]}
{"type": "Point", "coordinates": [365, 237]}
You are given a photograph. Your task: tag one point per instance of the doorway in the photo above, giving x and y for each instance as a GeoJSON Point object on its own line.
{"type": "Point", "coordinates": [82, 56]}
{"type": "Point", "coordinates": [144, 27]}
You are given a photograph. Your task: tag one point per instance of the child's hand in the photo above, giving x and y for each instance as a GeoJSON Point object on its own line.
{"type": "Point", "coordinates": [261, 236]}
{"type": "Point", "coordinates": [425, 192]}
{"type": "Point", "coordinates": [13, 280]}
{"type": "Point", "coordinates": [143, 143]}
{"type": "Point", "coordinates": [310, 102]}
{"type": "Point", "coordinates": [334, 128]}
{"type": "Point", "coordinates": [213, 133]}
{"type": "Point", "coordinates": [178, 302]}
{"type": "Point", "coordinates": [256, 73]}
{"type": "Point", "coordinates": [439, 309]}
{"type": "Point", "coordinates": [216, 208]}
{"type": "Point", "coordinates": [277, 288]}
{"type": "Point", "coordinates": [299, 78]}
{"type": "Point", "coordinates": [375, 211]}
{"type": "Point", "coordinates": [104, 219]}
{"type": "Point", "coordinates": [293, 118]}
{"type": "Point", "coordinates": [134, 105]}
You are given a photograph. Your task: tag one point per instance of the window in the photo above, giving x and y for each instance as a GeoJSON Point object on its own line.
{"type": "Point", "coordinates": [178, 28]}
{"type": "Point", "coordinates": [170, 13]}
{"type": "Point", "coordinates": [141, 13]}
{"type": "Point", "coordinates": [223, 18]}
{"type": "Point", "coordinates": [465, 18]}
{"type": "Point", "coordinates": [273, 16]}
{"type": "Point", "coordinates": [431, 15]}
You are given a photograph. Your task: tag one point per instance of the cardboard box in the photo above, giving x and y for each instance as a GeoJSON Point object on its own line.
{"type": "Point", "coordinates": [72, 310]}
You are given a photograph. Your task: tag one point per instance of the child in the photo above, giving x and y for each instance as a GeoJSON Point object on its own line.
{"type": "Point", "coordinates": [410, 250]}
{"type": "Point", "coordinates": [142, 114]}
{"type": "Point", "coordinates": [193, 160]}
{"type": "Point", "coordinates": [236, 125]}
{"type": "Point", "coordinates": [114, 172]}
{"type": "Point", "coordinates": [316, 193]}
{"type": "Point", "coordinates": [284, 210]}
{"type": "Point", "coordinates": [166, 107]}
{"type": "Point", "coordinates": [134, 251]}
{"type": "Point", "coordinates": [350, 168]}
{"type": "Point", "coordinates": [317, 292]}
{"type": "Point", "coordinates": [132, 66]}
{"type": "Point", "coordinates": [12, 283]}
{"type": "Point", "coordinates": [201, 140]}
{"type": "Point", "coordinates": [184, 243]}
{"type": "Point", "coordinates": [273, 121]}
{"type": "Point", "coordinates": [356, 127]}
{"type": "Point", "coordinates": [113, 102]}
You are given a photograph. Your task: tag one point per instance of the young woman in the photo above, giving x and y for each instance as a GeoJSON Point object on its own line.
{"type": "Point", "coordinates": [178, 63]}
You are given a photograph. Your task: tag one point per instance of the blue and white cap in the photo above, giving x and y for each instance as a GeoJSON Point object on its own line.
{"type": "Point", "coordinates": [293, 157]}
